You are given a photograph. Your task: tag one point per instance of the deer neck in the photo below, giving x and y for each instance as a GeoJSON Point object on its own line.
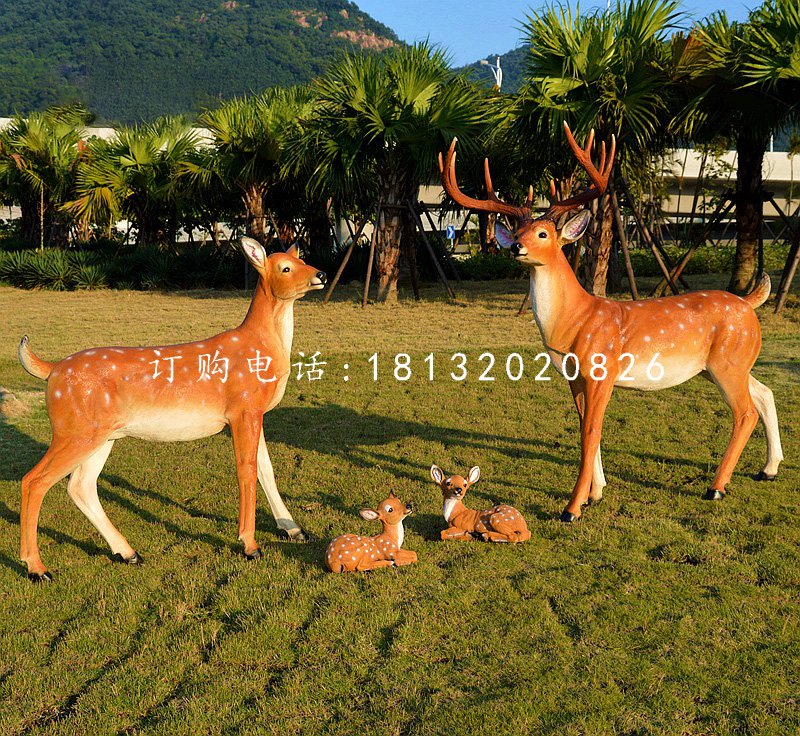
{"type": "Point", "coordinates": [270, 317]}
{"type": "Point", "coordinates": [452, 508]}
{"type": "Point", "coordinates": [394, 533]}
{"type": "Point", "coordinates": [559, 302]}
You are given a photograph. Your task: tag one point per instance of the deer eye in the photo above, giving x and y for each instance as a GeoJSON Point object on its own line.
{"type": "Point", "coordinates": [389, 509]}
{"type": "Point", "coordinates": [542, 234]}
{"type": "Point", "coordinates": [286, 269]}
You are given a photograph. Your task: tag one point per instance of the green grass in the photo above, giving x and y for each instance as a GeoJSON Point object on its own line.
{"type": "Point", "coordinates": [658, 613]}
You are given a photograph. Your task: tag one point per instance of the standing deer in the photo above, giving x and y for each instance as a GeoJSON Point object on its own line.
{"type": "Point", "coordinates": [501, 523]}
{"type": "Point", "coordinates": [169, 393]}
{"type": "Point", "coordinates": [598, 344]}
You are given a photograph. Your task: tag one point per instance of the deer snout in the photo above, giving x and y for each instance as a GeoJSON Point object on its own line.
{"type": "Point", "coordinates": [517, 249]}
{"type": "Point", "coordinates": [320, 279]}
{"type": "Point", "coordinates": [409, 508]}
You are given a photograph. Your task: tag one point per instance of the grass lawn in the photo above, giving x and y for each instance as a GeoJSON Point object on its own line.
{"type": "Point", "coordinates": [657, 613]}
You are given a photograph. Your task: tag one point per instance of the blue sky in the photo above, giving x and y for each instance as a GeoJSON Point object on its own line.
{"type": "Point", "coordinates": [471, 30]}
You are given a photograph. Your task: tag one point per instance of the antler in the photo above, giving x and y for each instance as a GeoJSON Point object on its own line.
{"type": "Point", "coordinates": [598, 178]}
{"type": "Point", "coordinates": [492, 203]}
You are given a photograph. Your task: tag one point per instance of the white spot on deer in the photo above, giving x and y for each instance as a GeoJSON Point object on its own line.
{"type": "Point", "coordinates": [69, 370]}
{"type": "Point", "coordinates": [235, 338]}
{"type": "Point", "coordinates": [647, 338]}
{"type": "Point", "coordinates": [105, 356]}
{"type": "Point", "coordinates": [157, 352]}
{"type": "Point", "coordinates": [90, 352]}
{"type": "Point", "coordinates": [57, 394]}
{"type": "Point", "coordinates": [113, 367]}
{"type": "Point", "coordinates": [681, 325]}
{"type": "Point", "coordinates": [107, 397]}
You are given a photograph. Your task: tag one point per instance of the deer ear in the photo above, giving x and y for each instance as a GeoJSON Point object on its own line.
{"type": "Point", "coordinates": [294, 249]}
{"type": "Point", "coordinates": [437, 474]}
{"type": "Point", "coordinates": [505, 238]}
{"type": "Point", "coordinates": [369, 514]}
{"type": "Point", "coordinates": [474, 475]}
{"type": "Point", "coordinates": [255, 253]}
{"type": "Point", "coordinates": [575, 227]}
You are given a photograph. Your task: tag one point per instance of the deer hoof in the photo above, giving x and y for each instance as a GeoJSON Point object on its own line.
{"type": "Point", "coordinates": [712, 494]}
{"type": "Point", "coordinates": [568, 517]}
{"type": "Point", "coordinates": [594, 501]}
{"type": "Point", "coordinates": [764, 476]}
{"type": "Point", "coordinates": [254, 555]}
{"type": "Point", "coordinates": [36, 577]}
{"type": "Point", "coordinates": [295, 536]}
{"type": "Point", "coordinates": [134, 559]}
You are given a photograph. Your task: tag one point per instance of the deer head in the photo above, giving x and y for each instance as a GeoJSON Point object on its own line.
{"type": "Point", "coordinates": [390, 512]}
{"type": "Point", "coordinates": [283, 275]}
{"type": "Point", "coordinates": [455, 486]}
{"type": "Point", "coordinates": [538, 240]}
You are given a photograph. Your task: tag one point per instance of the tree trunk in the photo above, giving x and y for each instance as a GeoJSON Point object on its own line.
{"type": "Point", "coordinates": [388, 248]}
{"type": "Point", "coordinates": [394, 229]}
{"type": "Point", "coordinates": [253, 200]}
{"type": "Point", "coordinates": [599, 251]}
{"type": "Point", "coordinates": [749, 213]}
{"type": "Point", "coordinates": [486, 223]}
{"type": "Point", "coordinates": [318, 227]}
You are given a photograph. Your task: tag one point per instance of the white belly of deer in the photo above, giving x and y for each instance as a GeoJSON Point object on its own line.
{"type": "Point", "coordinates": [646, 372]}
{"type": "Point", "coordinates": [171, 425]}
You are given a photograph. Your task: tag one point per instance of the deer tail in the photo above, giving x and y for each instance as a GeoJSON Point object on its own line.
{"type": "Point", "coordinates": [761, 293]}
{"type": "Point", "coordinates": [31, 363]}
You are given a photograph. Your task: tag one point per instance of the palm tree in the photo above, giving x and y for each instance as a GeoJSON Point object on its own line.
{"type": "Point", "coordinates": [134, 175]}
{"type": "Point", "coordinates": [746, 83]}
{"type": "Point", "coordinates": [608, 70]}
{"type": "Point", "coordinates": [378, 125]}
{"type": "Point", "coordinates": [39, 156]}
{"type": "Point", "coordinates": [249, 136]}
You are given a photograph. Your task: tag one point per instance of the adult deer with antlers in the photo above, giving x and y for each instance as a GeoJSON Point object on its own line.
{"type": "Point", "coordinates": [168, 393]}
{"type": "Point", "coordinates": [598, 344]}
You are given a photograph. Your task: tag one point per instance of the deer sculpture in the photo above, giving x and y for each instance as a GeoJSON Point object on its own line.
{"type": "Point", "coordinates": [350, 552]}
{"type": "Point", "coordinates": [501, 523]}
{"type": "Point", "coordinates": [169, 393]}
{"type": "Point", "coordinates": [598, 344]}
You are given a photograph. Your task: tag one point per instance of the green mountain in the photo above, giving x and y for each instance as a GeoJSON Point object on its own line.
{"type": "Point", "coordinates": [130, 60]}
{"type": "Point", "coordinates": [512, 63]}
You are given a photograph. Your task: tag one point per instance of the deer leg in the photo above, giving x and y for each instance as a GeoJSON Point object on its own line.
{"type": "Point", "coordinates": [363, 565]}
{"type": "Point", "coordinates": [735, 389]}
{"type": "Point", "coordinates": [598, 476]}
{"type": "Point", "coordinates": [597, 394]}
{"type": "Point", "coordinates": [82, 489]}
{"type": "Point", "coordinates": [405, 557]}
{"type": "Point", "coordinates": [61, 458]}
{"type": "Point", "coordinates": [266, 476]}
{"type": "Point", "coordinates": [245, 430]}
{"type": "Point", "coordinates": [454, 533]}
{"type": "Point", "coordinates": [765, 406]}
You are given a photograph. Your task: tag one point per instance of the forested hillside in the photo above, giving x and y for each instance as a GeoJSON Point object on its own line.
{"type": "Point", "coordinates": [129, 60]}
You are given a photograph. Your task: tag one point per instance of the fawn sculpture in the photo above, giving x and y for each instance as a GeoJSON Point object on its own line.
{"type": "Point", "coordinates": [501, 523]}
{"type": "Point", "coordinates": [601, 343]}
{"type": "Point", "coordinates": [350, 552]}
{"type": "Point", "coordinates": [168, 393]}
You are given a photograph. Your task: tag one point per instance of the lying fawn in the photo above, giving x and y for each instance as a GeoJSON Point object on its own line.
{"type": "Point", "coordinates": [501, 523]}
{"type": "Point", "coordinates": [169, 393]}
{"type": "Point", "coordinates": [350, 552]}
